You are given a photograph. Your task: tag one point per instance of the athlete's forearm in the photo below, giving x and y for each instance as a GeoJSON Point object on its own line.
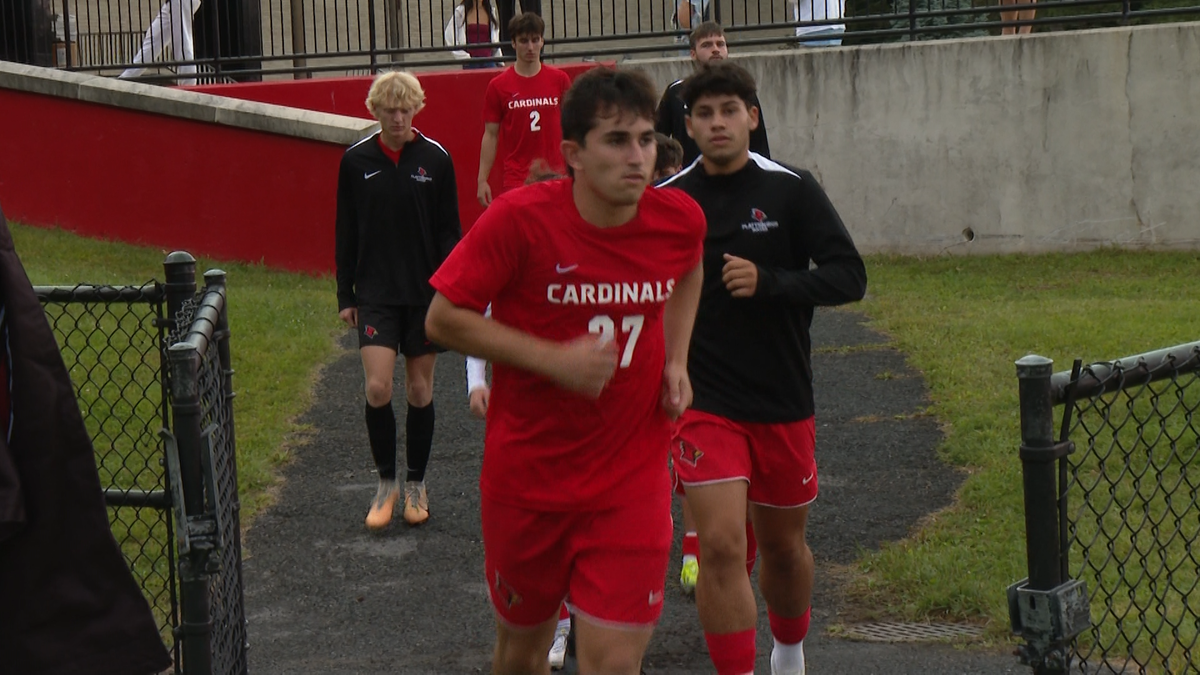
{"type": "Point", "coordinates": [345, 246]}
{"type": "Point", "coordinates": [487, 154]}
{"type": "Point", "coordinates": [679, 315]}
{"type": "Point", "coordinates": [471, 333]}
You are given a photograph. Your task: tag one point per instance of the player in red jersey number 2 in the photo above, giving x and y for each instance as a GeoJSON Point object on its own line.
{"type": "Point", "coordinates": [521, 112]}
{"type": "Point", "coordinates": [594, 283]}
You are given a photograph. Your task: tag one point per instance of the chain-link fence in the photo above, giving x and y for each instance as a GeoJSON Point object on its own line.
{"type": "Point", "coordinates": [1127, 509]}
{"type": "Point", "coordinates": [156, 397]}
{"type": "Point", "coordinates": [111, 342]}
{"type": "Point", "coordinates": [213, 614]}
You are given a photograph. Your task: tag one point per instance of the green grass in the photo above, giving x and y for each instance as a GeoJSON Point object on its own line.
{"type": "Point", "coordinates": [963, 321]}
{"type": "Point", "coordinates": [282, 329]}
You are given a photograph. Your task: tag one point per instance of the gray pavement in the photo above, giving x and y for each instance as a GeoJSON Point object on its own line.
{"type": "Point", "coordinates": [325, 596]}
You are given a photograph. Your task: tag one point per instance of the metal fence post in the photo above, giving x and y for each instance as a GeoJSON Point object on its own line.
{"type": "Point", "coordinates": [232, 540]}
{"type": "Point", "coordinates": [1045, 609]}
{"type": "Point", "coordinates": [299, 42]}
{"type": "Point", "coordinates": [371, 37]}
{"type": "Point", "coordinates": [179, 270]}
{"type": "Point", "coordinates": [196, 624]}
{"type": "Point", "coordinates": [194, 631]}
{"type": "Point", "coordinates": [1040, 477]}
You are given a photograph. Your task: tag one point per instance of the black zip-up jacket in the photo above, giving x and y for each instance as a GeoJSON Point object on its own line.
{"type": "Point", "coordinates": [750, 357]}
{"type": "Point", "coordinates": [396, 223]}
{"type": "Point", "coordinates": [671, 120]}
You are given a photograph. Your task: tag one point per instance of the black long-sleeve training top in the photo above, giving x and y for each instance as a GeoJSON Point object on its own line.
{"type": "Point", "coordinates": [750, 357]}
{"type": "Point", "coordinates": [671, 120]}
{"type": "Point", "coordinates": [396, 222]}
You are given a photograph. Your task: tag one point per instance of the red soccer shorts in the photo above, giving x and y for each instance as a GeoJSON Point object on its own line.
{"type": "Point", "coordinates": [775, 459]}
{"type": "Point", "coordinates": [612, 563]}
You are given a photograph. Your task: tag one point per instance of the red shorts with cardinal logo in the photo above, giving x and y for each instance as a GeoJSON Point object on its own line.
{"type": "Point", "coordinates": [775, 459]}
{"type": "Point", "coordinates": [612, 563]}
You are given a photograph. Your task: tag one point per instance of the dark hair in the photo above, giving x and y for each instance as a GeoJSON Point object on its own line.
{"type": "Point", "coordinates": [706, 29]}
{"type": "Point", "coordinates": [670, 152]}
{"type": "Point", "coordinates": [527, 23]}
{"type": "Point", "coordinates": [485, 4]}
{"type": "Point", "coordinates": [599, 91]}
{"type": "Point", "coordinates": [721, 78]}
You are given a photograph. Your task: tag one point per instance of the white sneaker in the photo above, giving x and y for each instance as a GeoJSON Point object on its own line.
{"type": "Point", "coordinates": [558, 652]}
{"type": "Point", "coordinates": [791, 669]}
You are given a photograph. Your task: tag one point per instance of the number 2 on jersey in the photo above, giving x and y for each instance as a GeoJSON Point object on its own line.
{"type": "Point", "coordinates": [535, 120]}
{"type": "Point", "coordinates": [604, 326]}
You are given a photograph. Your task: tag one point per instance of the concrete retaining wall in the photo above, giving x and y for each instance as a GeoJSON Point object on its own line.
{"type": "Point", "coordinates": [1052, 142]}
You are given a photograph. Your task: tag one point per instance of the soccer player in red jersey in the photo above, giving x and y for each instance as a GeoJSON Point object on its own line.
{"type": "Point", "coordinates": [521, 112]}
{"type": "Point", "coordinates": [746, 446]}
{"type": "Point", "coordinates": [593, 282]}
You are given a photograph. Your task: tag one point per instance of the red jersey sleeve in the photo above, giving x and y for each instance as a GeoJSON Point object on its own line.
{"type": "Point", "coordinates": [493, 107]}
{"type": "Point", "coordinates": [485, 260]}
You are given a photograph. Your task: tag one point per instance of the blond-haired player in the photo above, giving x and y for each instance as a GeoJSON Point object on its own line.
{"type": "Point", "coordinates": [397, 220]}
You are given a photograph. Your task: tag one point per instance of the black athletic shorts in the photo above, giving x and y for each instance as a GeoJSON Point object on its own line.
{"type": "Point", "coordinates": [398, 327]}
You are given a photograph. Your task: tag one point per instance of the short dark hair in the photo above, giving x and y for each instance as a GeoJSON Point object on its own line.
{"type": "Point", "coordinates": [526, 23]}
{"type": "Point", "coordinates": [721, 78]}
{"type": "Point", "coordinates": [600, 90]}
{"type": "Point", "coordinates": [705, 29]}
{"type": "Point", "coordinates": [670, 152]}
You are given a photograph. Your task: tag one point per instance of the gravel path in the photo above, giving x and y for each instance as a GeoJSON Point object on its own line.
{"type": "Point", "coordinates": [325, 596]}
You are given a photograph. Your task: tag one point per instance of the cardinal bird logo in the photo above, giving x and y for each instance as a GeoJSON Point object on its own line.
{"type": "Point", "coordinates": [689, 454]}
{"type": "Point", "coordinates": [505, 592]}
{"type": "Point", "coordinates": [758, 215]}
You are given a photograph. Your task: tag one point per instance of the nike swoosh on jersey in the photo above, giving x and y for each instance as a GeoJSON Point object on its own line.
{"type": "Point", "coordinates": [565, 269]}
{"type": "Point", "coordinates": [808, 480]}
{"type": "Point", "coordinates": [367, 176]}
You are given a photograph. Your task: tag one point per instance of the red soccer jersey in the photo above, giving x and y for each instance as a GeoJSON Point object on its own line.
{"type": "Point", "coordinates": [527, 110]}
{"type": "Point", "coordinates": [548, 272]}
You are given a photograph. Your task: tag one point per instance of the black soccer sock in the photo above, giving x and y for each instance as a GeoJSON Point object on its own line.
{"type": "Point", "coordinates": [418, 430]}
{"type": "Point", "coordinates": [381, 430]}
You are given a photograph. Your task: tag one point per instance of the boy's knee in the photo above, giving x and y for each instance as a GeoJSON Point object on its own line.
{"type": "Point", "coordinates": [420, 394]}
{"type": "Point", "coordinates": [379, 391]}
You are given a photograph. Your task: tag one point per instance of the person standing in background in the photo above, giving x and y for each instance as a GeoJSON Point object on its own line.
{"type": "Point", "coordinates": [474, 22]}
{"type": "Point", "coordinates": [521, 113]}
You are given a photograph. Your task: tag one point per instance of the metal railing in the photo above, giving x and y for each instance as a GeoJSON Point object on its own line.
{"type": "Point", "coordinates": [1112, 515]}
{"type": "Point", "coordinates": [151, 368]}
{"type": "Point", "coordinates": [253, 39]}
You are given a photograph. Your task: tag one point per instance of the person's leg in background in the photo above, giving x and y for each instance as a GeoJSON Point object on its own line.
{"type": "Point", "coordinates": [153, 43]}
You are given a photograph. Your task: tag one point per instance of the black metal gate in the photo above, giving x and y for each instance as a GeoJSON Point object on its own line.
{"type": "Point", "coordinates": [156, 396]}
{"type": "Point", "coordinates": [1120, 514]}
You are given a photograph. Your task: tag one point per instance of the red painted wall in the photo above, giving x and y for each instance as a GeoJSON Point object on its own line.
{"type": "Point", "coordinates": [452, 115]}
{"type": "Point", "coordinates": [231, 193]}
{"type": "Point", "coordinates": [114, 173]}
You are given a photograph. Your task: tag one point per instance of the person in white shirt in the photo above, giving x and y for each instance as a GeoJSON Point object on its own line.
{"type": "Point", "coordinates": [474, 22]}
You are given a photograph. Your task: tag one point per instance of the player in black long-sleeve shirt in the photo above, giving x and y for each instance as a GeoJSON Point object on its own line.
{"type": "Point", "coordinates": [707, 46]}
{"type": "Point", "coordinates": [747, 443]}
{"type": "Point", "coordinates": [397, 220]}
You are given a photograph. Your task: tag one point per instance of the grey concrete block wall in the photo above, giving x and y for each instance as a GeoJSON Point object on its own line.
{"type": "Point", "coordinates": [1062, 141]}
{"type": "Point", "coordinates": [284, 121]}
